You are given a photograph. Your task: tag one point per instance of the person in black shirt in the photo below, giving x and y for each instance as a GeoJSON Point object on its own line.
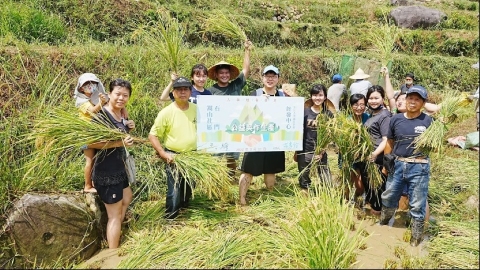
{"type": "Point", "coordinates": [309, 155]}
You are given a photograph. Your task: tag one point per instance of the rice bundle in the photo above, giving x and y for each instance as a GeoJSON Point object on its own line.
{"type": "Point", "coordinates": [59, 135]}
{"type": "Point", "coordinates": [219, 22]}
{"type": "Point", "coordinates": [354, 144]}
{"type": "Point", "coordinates": [432, 139]}
{"type": "Point", "coordinates": [167, 38]}
{"type": "Point", "coordinates": [383, 38]}
{"type": "Point", "coordinates": [204, 172]}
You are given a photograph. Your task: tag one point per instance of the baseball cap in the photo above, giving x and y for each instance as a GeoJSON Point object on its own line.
{"type": "Point", "coordinates": [337, 78]}
{"type": "Point", "coordinates": [419, 90]}
{"type": "Point", "coordinates": [271, 68]}
{"type": "Point", "coordinates": [182, 82]}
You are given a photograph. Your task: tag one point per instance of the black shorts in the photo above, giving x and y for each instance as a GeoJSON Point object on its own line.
{"type": "Point", "coordinates": [258, 163]}
{"type": "Point", "coordinates": [112, 193]}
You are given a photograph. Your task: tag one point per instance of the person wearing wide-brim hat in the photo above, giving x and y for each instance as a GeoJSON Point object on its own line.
{"type": "Point", "coordinates": [223, 72]}
{"type": "Point", "coordinates": [360, 85]}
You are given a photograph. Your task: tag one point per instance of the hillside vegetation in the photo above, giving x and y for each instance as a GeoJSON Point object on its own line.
{"type": "Point", "coordinates": [45, 45]}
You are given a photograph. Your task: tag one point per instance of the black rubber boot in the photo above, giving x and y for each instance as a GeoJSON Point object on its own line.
{"type": "Point", "coordinates": [417, 232]}
{"type": "Point", "coordinates": [387, 214]}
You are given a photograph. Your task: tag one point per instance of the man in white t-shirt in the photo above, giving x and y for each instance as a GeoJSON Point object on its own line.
{"type": "Point", "coordinates": [360, 86]}
{"type": "Point", "coordinates": [337, 91]}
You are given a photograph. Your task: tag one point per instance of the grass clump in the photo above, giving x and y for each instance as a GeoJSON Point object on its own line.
{"type": "Point", "coordinates": [223, 24]}
{"type": "Point", "coordinates": [317, 233]}
{"type": "Point", "coordinates": [166, 36]}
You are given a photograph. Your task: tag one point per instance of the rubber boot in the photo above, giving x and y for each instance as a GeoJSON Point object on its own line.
{"type": "Point", "coordinates": [417, 232]}
{"type": "Point", "coordinates": [386, 215]}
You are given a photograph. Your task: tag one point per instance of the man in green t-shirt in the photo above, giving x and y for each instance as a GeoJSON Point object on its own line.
{"type": "Point", "coordinates": [223, 72]}
{"type": "Point", "coordinates": [176, 125]}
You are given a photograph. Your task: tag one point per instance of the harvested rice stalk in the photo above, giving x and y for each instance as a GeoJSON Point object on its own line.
{"type": "Point", "coordinates": [383, 38]}
{"type": "Point", "coordinates": [59, 135]}
{"type": "Point", "coordinates": [432, 140]}
{"type": "Point", "coordinates": [208, 173]}
{"type": "Point", "coordinates": [166, 37]}
{"type": "Point", "coordinates": [354, 144]}
{"type": "Point", "coordinates": [221, 23]}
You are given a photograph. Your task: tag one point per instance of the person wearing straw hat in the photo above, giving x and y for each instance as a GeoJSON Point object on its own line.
{"type": "Point", "coordinates": [223, 72]}
{"type": "Point", "coordinates": [89, 96]}
{"type": "Point", "coordinates": [176, 124]}
{"type": "Point", "coordinates": [337, 92]}
{"type": "Point", "coordinates": [360, 85]}
{"type": "Point", "coordinates": [266, 163]}
{"type": "Point", "coordinates": [410, 168]}
{"type": "Point", "coordinates": [307, 157]}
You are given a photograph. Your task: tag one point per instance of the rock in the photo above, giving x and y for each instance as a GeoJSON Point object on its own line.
{"type": "Point", "coordinates": [416, 17]}
{"type": "Point", "coordinates": [45, 228]}
{"type": "Point", "coordinates": [472, 202]}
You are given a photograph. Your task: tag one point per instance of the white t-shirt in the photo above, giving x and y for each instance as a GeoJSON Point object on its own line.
{"type": "Point", "coordinates": [360, 87]}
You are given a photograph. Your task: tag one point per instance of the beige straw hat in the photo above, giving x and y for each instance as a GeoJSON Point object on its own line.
{"type": "Point", "coordinates": [234, 72]}
{"type": "Point", "coordinates": [359, 74]}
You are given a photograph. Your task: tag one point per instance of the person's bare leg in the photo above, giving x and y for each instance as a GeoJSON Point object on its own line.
{"type": "Point", "coordinates": [357, 181]}
{"type": "Point", "coordinates": [87, 171]}
{"type": "Point", "coordinates": [269, 180]}
{"type": "Point", "coordinates": [127, 199]}
{"type": "Point", "coordinates": [114, 224]}
{"type": "Point", "coordinates": [243, 184]}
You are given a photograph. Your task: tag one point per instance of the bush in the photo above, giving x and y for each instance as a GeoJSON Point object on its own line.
{"type": "Point", "coordinates": [460, 21]}
{"type": "Point", "coordinates": [32, 25]}
{"type": "Point", "coordinates": [456, 47]}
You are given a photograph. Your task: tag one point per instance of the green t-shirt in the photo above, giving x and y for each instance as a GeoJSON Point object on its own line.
{"type": "Point", "coordinates": [234, 88]}
{"type": "Point", "coordinates": [178, 128]}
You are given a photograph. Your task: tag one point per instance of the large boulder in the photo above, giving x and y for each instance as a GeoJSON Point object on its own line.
{"type": "Point", "coordinates": [48, 228]}
{"type": "Point", "coordinates": [416, 17]}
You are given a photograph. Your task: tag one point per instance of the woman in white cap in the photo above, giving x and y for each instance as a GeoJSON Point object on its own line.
{"type": "Point", "coordinates": [89, 96]}
{"type": "Point", "coordinates": [266, 163]}
{"type": "Point", "coordinates": [360, 85]}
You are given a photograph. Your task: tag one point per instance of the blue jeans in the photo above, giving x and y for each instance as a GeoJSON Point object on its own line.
{"type": "Point", "coordinates": [178, 193]}
{"type": "Point", "coordinates": [414, 175]}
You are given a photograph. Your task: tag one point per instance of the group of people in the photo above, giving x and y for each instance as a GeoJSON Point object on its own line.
{"type": "Point", "coordinates": [174, 131]}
